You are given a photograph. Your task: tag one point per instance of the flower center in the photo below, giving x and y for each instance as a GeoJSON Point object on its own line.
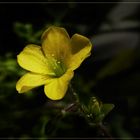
{"type": "Point", "coordinates": [57, 66]}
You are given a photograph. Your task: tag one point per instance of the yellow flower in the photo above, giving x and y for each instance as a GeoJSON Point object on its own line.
{"type": "Point", "coordinates": [53, 63]}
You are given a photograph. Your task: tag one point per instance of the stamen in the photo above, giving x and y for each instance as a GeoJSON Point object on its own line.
{"type": "Point", "coordinates": [56, 65]}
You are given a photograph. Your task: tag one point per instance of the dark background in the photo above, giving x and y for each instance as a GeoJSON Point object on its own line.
{"type": "Point", "coordinates": [111, 73]}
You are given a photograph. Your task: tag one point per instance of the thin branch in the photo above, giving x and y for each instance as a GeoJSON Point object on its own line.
{"type": "Point", "coordinates": [105, 131]}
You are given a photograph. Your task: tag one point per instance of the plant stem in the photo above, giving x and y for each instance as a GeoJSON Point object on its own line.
{"type": "Point", "coordinates": [102, 128]}
{"type": "Point", "coordinates": [74, 94]}
{"type": "Point", "coordinates": [104, 131]}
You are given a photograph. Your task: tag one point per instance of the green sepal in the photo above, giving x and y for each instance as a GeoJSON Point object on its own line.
{"type": "Point", "coordinates": [95, 111]}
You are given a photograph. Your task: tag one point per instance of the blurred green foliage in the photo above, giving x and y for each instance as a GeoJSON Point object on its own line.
{"type": "Point", "coordinates": [26, 32]}
{"type": "Point", "coordinates": [9, 71]}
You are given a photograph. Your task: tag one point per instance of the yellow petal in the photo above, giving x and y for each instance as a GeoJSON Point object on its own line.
{"type": "Point", "coordinates": [56, 42]}
{"type": "Point", "coordinates": [32, 59]}
{"type": "Point", "coordinates": [80, 49]}
{"type": "Point", "coordinates": [29, 81]}
{"type": "Point", "coordinates": [57, 88]}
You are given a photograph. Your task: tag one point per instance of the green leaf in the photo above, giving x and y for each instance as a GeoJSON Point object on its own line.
{"type": "Point", "coordinates": [106, 108]}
